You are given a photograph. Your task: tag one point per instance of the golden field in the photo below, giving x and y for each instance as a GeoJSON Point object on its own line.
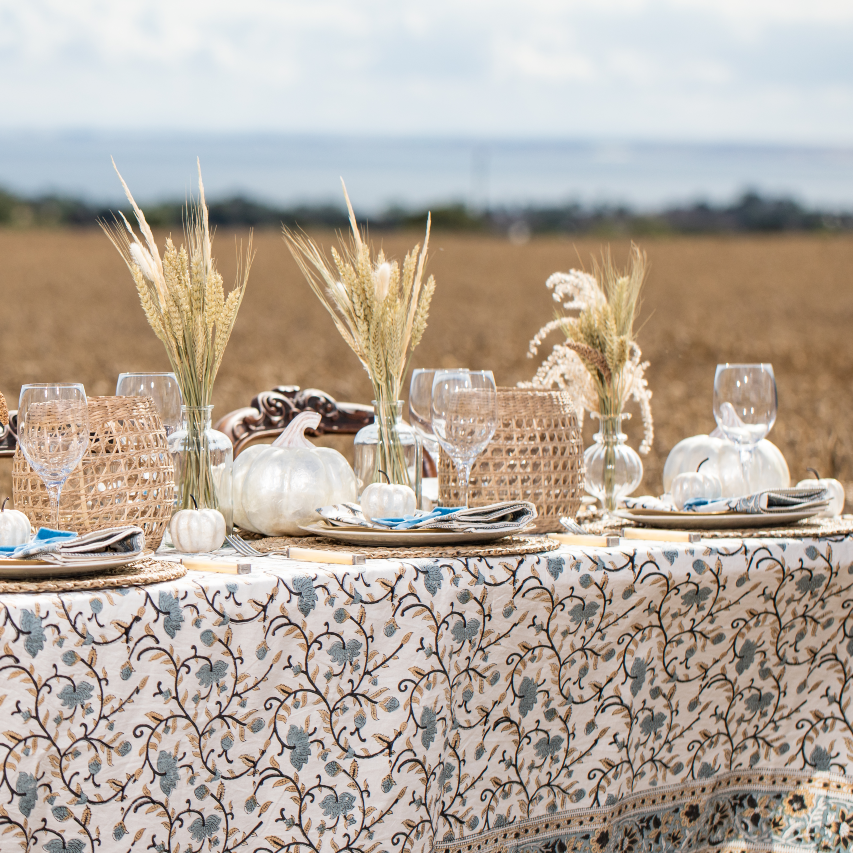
{"type": "Point", "coordinates": [70, 313]}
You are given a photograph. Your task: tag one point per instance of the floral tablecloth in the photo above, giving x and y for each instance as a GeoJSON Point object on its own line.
{"type": "Point", "coordinates": [660, 698]}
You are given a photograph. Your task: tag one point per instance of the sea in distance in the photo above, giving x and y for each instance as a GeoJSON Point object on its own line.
{"type": "Point", "coordinates": [412, 173]}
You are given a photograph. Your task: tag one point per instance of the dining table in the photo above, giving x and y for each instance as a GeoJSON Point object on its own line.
{"type": "Point", "coordinates": [652, 696]}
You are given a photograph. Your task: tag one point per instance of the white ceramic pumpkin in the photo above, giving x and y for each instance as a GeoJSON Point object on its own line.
{"type": "Point", "coordinates": [387, 500]}
{"type": "Point", "coordinates": [768, 469]}
{"type": "Point", "coordinates": [278, 487]}
{"type": "Point", "coordinates": [695, 484]}
{"type": "Point", "coordinates": [14, 527]}
{"type": "Point", "coordinates": [835, 493]}
{"type": "Point", "coordinates": [197, 531]}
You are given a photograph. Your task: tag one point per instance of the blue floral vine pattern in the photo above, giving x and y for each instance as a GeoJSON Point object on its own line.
{"type": "Point", "coordinates": [574, 700]}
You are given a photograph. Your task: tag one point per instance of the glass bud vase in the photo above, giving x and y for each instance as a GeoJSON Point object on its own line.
{"type": "Point", "coordinates": [613, 469]}
{"type": "Point", "coordinates": [388, 445]}
{"type": "Point", "coordinates": [203, 458]}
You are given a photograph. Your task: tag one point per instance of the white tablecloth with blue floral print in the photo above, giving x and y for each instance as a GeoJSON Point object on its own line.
{"type": "Point", "coordinates": [658, 698]}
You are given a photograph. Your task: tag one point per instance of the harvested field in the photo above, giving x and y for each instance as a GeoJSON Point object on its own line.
{"type": "Point", "coordinates": [70, 312]}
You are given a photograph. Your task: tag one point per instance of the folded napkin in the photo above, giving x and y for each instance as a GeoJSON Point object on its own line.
{"type": "Point", "coordinates": [662, 504]}
{"type": "Point", "coordinates": [61, 546]}
{"type": "Point", "coordinates": [507, 515]}
{"type": "Point", "coordinates": [763, 503]}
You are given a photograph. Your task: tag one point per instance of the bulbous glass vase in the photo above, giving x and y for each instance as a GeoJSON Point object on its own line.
{"type": "Point", "coordinates": [613, 469]}
{"type": "Point", "coordinates": [390, 446]}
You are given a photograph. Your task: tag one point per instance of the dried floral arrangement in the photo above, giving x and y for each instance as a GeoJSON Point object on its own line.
{"type": "Point", "coordinates": [599, 363]}
{"type": "Point", "coordinates": [184, 300]}
{"type": "Point", "coordinates": [182, 294]}
{"type": "Point", "coordinates": [380, 309]}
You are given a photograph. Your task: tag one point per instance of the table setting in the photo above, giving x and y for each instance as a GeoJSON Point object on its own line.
{"type": "Point", "coordinates": [474, 635]}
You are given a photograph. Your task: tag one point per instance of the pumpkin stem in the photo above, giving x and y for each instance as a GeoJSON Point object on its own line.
{"type": "Point", "coordinates": [702, 463]}
{"type": "Point", "coordinates": [5, 501]}
{"type": "Point", "coordinates": [387, 478]}
{"type": "Point", "coordinates": [816, 475]}
{"type": "Point", "coordinates": [195, 503]}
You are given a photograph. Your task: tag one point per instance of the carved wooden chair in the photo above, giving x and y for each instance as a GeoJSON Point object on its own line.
{"type": "Point", "coordinates": [272, 411]}
{"type": "Point", "coordinates": [9, 436]}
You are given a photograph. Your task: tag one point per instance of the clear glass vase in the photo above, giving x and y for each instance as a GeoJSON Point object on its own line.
{"type": "Point", "coordinates": [203, 458]}
{"type": "Point", "coordinates": [613, 469]}
{"type": "Point", "coordinates": [388, 445]}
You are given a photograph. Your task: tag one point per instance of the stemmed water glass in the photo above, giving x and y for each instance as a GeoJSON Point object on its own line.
{"type": "Point", "coordinates": [464, 417]}
{"type": "Point", "coordinates": [53, 433]}
{"type": "Point", "coordinates": [162, 388]}
{"type": "Point", "coordinates": [745, 406]}
{"type": "Point", "coordinates": [420, 409]}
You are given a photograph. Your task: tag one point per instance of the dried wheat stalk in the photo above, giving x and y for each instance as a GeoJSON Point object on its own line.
{"type": "Point", "coordinates": [182, 293]}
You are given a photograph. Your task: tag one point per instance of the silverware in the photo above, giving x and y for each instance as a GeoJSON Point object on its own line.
{"type": "Point", "coordinates": [573, 527]}
{"type": "Point", "coordinates": [310, 555]}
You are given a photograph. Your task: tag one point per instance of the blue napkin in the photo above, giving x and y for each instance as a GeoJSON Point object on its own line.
{"type": "Point", "coordinates": [45, 541]}
{"type": "Point", "coordinates": [408, 521]}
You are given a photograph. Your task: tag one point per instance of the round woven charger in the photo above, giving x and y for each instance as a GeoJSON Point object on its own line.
{"type": "Point", "coordinates": [512, 545]}
{"type": "Point", "coordinates": [141, 573]}
{"type": "Point", "coordinates": [811, 528]}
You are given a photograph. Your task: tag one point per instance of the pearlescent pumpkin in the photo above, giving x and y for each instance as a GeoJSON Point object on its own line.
{"type": "Point", "coordinates": [15, 527]}
{"type": "Point", "coordinates": [278, 487]}
{"type": "Point", "coordinates": [768, 469]}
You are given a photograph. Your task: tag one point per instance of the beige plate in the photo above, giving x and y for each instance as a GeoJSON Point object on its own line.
{"type": "Point", "coordinates": [715, 520]}
{"type": "Point", "coordinates": [36, 569]}
{"type": "Point", "coordinates": [398, 538]}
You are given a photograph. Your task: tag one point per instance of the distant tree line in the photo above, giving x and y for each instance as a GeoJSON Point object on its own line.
{"type": "Point", "coordinates": [751, 213]}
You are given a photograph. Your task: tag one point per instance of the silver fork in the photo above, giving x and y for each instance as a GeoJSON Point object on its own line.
{"type": "Point", "coordinates": [241, 546]}
{"type": "Point", "coordinates": [573, 527]}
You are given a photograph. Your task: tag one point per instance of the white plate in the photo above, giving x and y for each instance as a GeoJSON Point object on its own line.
{"type": "Point", "coordinates": [715, 520]}
{"type": "Point", "coordinates": [398, 538]}
{"type": "Point", "coordinates": [39, 569]}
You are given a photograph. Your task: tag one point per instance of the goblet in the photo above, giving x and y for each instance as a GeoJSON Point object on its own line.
{"type": "Point", "coordinates": [162, 388]}
{"type": "Point", "coordinates": [745, 405]}
{"type": "Point", "coordinates": [464, 417]}
{"type": "Point", "coordinates": [420, 408]}
{"type": "Point", "coordinates": [53, 432]}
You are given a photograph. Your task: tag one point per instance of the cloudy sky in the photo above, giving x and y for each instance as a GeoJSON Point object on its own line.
{"type": "Point", "coordinates": [703, 70]}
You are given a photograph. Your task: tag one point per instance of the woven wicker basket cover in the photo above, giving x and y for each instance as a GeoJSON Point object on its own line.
{"type": "Point", "coordinates": [535, 455]}
{"type": "Point", "coordinates": [126, 476]}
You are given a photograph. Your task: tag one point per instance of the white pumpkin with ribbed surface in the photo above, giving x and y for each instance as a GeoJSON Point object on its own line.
{"type": "Point", "coordinates": [279, 487]}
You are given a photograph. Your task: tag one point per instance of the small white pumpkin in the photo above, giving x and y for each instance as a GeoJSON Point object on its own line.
{"type": "Point", "coordinates": [768, 469]}
{"type": "Point", "coordinates": [387, 500]}
{"type": "Point", "coordinates": [279, 487]}
{"type": "Point", "coordinates": [695, 484]}
{"type": "Point", "coordinates": [15, 527]}
{"type": "Point", "coordinates": [197, 531]}
{"type": "Point", "coordinates": [835, 493]}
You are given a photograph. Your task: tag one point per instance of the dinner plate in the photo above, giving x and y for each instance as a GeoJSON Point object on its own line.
{"type": "Point", "coordinates": [716, 520]}
{"type": "Point", "coordinates": [38, 569]}
{"type": "Point", "coordinates": [397, 538]}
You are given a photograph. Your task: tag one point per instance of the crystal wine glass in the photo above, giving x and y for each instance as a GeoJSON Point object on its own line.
{"type": "Point", "coordinates": [420, 408]}
{"type": "Point", "coordinates": [162, 388]}
{"type": "Point", "coordinates": [464, 417]}
{"type": "Point", "coordinates": [745, 406]}
{"type": "Point", "coordinates": [53, 432]}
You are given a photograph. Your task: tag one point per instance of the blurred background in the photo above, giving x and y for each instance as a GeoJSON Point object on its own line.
{"type": "Point", "coordinates": [717, 134]}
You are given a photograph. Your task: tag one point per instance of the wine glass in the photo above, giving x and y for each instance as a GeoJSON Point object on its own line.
{"type": "Point", "coordinates": [745, 406]}
{"type": "Point", "coordinates": [53, 433]}
{"type": "Point", "coordinates": [464, 417]}
{"type": "Point", "coordinates": [163, 388]}
{"type": "Point", "coordinates": [420, 408]}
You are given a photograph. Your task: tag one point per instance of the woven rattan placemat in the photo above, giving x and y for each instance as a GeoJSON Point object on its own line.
{"type": "Point", "coordinates": [808, 529]}
{"type": "Point", "coordinates": [512, 545]}
{"type": "Point", "coordinates": [142, 572]}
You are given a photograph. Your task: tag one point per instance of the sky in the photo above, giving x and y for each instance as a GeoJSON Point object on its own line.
{"type": "Point", "coordinates": [759, 71]}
